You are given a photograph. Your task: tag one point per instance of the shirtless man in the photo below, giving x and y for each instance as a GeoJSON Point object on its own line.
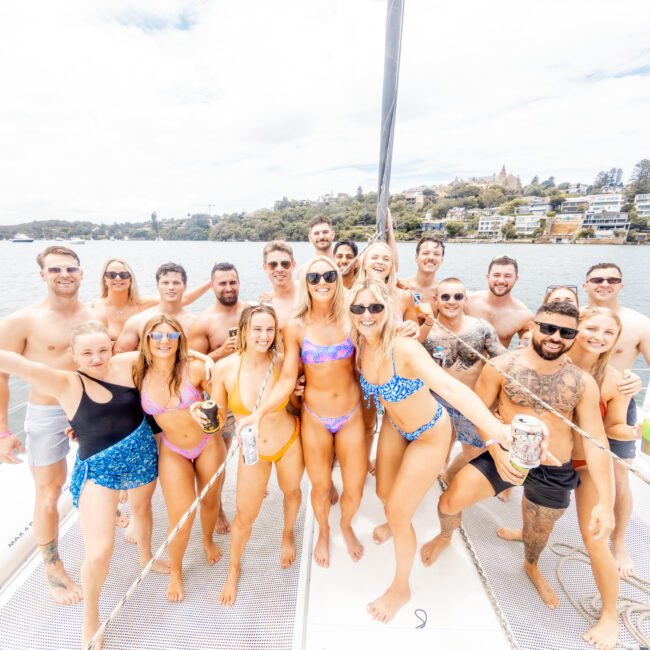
{"type": "Point", "coordinates": [460, 362]}
{"type": "Point", "coordinates": [171, 280]}
{"type": "Point", "coordinates": [508, 315]}
{"type": "Point", "coordinates": [279, 264]}
{"type": "Point", "coordinates": [346, 256]}
{"type": "Point", "coordinates": [541, 367]}
{"type": "Point", "coordinates": [429, 254]}
{"type": "Point", "coordinates": [603, 284]}
{"type": "Point", "coordinates": [321, 235]}
{"type": "Point", "coordinates": [41, 332]}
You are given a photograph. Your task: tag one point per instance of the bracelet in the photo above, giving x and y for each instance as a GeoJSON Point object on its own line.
{"type": "Point", "coordinates": [488, 443]}
{"type": "Point", "coordinates": [6, 434]}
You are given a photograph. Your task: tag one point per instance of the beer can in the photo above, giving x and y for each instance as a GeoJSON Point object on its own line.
{"type": "Point", "coordinates": [249, 446]}
{"type": "Point", "coordinates": [232, 331]}
{"type": "Point", "coordinates": [210, 409]}
{"type": "Point", "coordinates": [526, 447]}
{"type": "Point", "coordinates": [439, 355]}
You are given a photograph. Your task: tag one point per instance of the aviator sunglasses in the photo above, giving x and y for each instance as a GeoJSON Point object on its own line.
{"type": "Point", "coordinates": [55, 270]}
{"type": "Point", "coordinates": [373, 308]}
{"type": "Point", "coordinates": [285, 264]}
{"type": "Point", "coordinates": [446, 297]}
{"type": "Point", "coordinates": [599, 280]}
{"type": "Point", "coordinates": [159, 336]}
{"type": "Point", "coordinates": [113, 275]}
{"type": "Point", "coordinates": [548, 330]}
{"type": "Point", "coordinates": [328, 276]}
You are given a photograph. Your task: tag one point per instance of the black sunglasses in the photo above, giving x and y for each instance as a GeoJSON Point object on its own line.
{"type": "Point", "coordinates": [373, 308]}
{"type": "Point", "coordinates": [570, 287]}
{"type": "Point", "coordinates": [55, 270]}
{"type": "Point", "coordinates": [285, 264]}
{"type": "Point", "coordinates": [548, 330]}
{"type": "Point", "coordinates": [599, 280]}
{"type": "Point", "coordinates": [445, 297]}
{"type": "Point", "coordinates": [122, 275]}
{"type": "Point", "coordinates": [328, 276]}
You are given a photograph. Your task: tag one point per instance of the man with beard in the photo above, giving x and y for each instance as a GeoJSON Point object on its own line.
{"type": "Point", "coordinates": [429, 254]}
{"type": "Point", "coordinates": [508, 315]}
{"type": "Point", "coordinates": [346, 256]}
{"type": "Point", "coordinates": [321, 236]}
{"type": "Point", "coordinates": [41, 332]}
{"type": "Point", "coordinates": [542, 368]}
{"type": "Point", "coordinates": [459, 361]}
{"type": "Point", "coordinates": [171, 281]}
{"type": "Point", "coordinates": [279, 264]}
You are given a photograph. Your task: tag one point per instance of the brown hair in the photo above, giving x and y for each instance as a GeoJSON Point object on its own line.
{"type": "Point", "coordinates": [134, 294]}
{"type": "Point", "coordinates": [599, 368]}
{"type": "Point", "coordinates": [145, 360]}
{"type": "Point", "coordinates": [504, 260]}
{"type": "Point", "coordinates": [277, 245]}
{"type": "Point", "coordinates": [549, 295]}
{"type": "Point", "coordinates": [244, 325]}
{"type": "Point", "coordinates": [604, 265]}
{"type": "Point", "coordinates": [55, 250]}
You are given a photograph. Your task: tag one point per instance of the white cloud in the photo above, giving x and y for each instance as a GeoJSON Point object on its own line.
{"type": "Point", "coordinates": [111, 110]}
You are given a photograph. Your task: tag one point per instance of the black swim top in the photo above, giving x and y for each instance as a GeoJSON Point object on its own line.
{"type": "Point", "coordinates": [99, 426]}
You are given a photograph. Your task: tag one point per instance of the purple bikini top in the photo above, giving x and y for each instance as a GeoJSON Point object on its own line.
{"type": "Point", "coordinates": [312, 353]}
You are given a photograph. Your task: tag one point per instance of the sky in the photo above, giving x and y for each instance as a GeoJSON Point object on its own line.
{"type": "Point", "coordinates": [112, 109]}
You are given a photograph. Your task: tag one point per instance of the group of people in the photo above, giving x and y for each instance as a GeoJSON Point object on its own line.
{"type": "Point", "coordinates": [310, 366]}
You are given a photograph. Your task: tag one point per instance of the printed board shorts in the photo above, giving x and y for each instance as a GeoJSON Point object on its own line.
{"type": "Point", "coordinates": [229, 426]}
{"type": "Point", "coordinates": [546, 486]}
{"type": "Point", "coordinates": [44, 428]}
{"type": "Point", "coordinates": [465, 430]}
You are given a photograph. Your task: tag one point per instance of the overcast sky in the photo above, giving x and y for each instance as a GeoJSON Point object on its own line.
{"type": "Point", "coordinates": [112, 109]}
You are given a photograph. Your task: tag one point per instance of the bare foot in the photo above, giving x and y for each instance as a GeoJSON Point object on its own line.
{"type": "Point", "coordinates": [322, 550]}
{"type": "Point", "coordinates": [334, 495]}
{"type": "Point", "coordinates": [228, 593]}
{"type": "Point", "coordinates": [129, 533]}
{"type": "Point", "coordinates": [432, 549]}
{"type": "Point", "coordinates": [372, 467]}
{"type": "Point", "coordinates": [223, 525]}
{"type": "Point", "coordinates": [61, 587]}
{"type": "Point", "coordinates": [381, 533]}
{"type": "Point", "coordinates": [385, 607]}
{"type": "Point", "coordinates": [623, 560]}
{"type": "Point", "coordinates": [175, 591]}
{"type": "Point", "coordinates": [88, 633]}
{"type": "Point", "coordinates": [603, 635]}
{"type": "Point", "coordinates": [505, 495]}
{"type": "Point", "coordinates": [355, 547]}
{"type": "Point", "coordinates": [287, 550]}
{"type": "Point", "coordinates": [546, 592]}
{"type": "Point", "coordinates": [159, 566]}
{"type": "Point", "coordinates": [511, 534]}
{"type": "Point", "coordinates": [121, 520]}
{"type": "Point", "coordinates": [212, 551]}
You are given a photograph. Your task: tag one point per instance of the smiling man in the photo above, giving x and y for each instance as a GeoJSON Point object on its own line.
{"type": "Point", "coordinates": [321, 236]}
{"type": "Point", "coordinates": [497, 305]}
{"type": "Point", "coordinates": [279, 265]}
{"type": "Point", "coordinates": [429, 254]}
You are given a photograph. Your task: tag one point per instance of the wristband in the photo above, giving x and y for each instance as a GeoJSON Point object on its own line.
{"type": "Point", "coordinates": [6, 434]}
{"type": "Point", "coordinates": [488, 443]}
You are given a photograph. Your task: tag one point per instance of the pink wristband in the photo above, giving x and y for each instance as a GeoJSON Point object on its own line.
{"type": "Point", "coordinates": [488, 443]}
{"type": "Point", "coordinates": [6, 434]}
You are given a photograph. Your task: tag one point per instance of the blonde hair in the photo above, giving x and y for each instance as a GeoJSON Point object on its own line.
{"type": "Point", "coordinates": [391, 279]}
{"type": "Point", "coordinates": [145, 360]}
{"type": "Point", "coordinates": [245, 325]}
{"type": "Point", "coordinates": [134, 294]}
{"type": "Point", "coordinates": [387, 332]}
{"type": "Point", "coordinates": [600, 366]}
{"type": "Point", "coordinates": [304, 302]}
{"type": "Point", "coordinates": [89, 327]}
{"type": "Point", "coordinates": [548, 297]}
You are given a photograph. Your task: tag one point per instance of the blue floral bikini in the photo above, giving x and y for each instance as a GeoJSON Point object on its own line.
{"type": "Point", "coordinates": [397, 389]}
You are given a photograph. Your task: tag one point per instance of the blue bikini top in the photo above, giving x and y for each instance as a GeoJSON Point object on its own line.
{"type": "Point", "coordinates": [395, 389]}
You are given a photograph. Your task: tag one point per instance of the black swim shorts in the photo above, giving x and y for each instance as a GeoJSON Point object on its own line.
{"type": "Point", "coordinates": [623, 448]}
{"type": "Point", "coordinates": [631, 413]}
{"type": "Point", "coordinates": [545, 486]}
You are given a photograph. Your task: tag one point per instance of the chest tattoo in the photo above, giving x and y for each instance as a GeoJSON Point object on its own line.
{"type": "Point", "coordinates": [460, 357]}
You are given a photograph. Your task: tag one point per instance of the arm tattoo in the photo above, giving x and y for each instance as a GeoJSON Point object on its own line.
{"type": "Point", "coordinates": [448, 523]}
{"type": "Point", "coordinates": [493, 345]}
{"type": "Point", "coordinates": [562, 390]}
{"type": "Point", "coordinates": [538, 524]}
{"type": "Point", "coordinates": [50, 552]}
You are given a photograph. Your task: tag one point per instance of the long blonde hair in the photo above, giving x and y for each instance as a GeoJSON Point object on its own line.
{"type": "Point", "coordinates": [134, 294]}
{"type": "Point", "coordinates": [304, 302]}
{"type": "Point", "coordinates": [244, 326]}
{"type": "Point", "coordinates": [391, 279]}
{"type": "Point", "coordinates": [145, 360]}
{"type": "Point", "coordinates": [600, 366]}
{"type": "Point", "coordinates": [387, 333]}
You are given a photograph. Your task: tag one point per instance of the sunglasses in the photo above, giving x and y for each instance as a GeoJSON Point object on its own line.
{"type": "Point", "coordinates": [328, 276]}
{"type": "Point", "coordinates": [599, 280]}
{"type": "Point", "coordinates": [446, 297]}
{"type": "Point", "coordinates": [570, 287]}
{"type": "Point", "coordinates": [159, 336]}
{"type": "Point", "coordinates": [285, 264]}
{"type": "Point", "coordinates": [122, 275]}
{"type": "Point", "coordinates": [565, 332]}
{"type": "Point", "coordinates": [55, 270]}
{"type": "Point", "coordinates": [373, 308]}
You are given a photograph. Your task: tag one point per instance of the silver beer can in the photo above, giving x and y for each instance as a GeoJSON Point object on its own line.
{"type": "Point", "coordinates": [249, 446]}
{"type": "Point", "coordinates": [526, 448]}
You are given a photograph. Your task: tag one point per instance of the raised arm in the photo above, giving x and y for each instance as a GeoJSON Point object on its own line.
{"type": "Point", "coordinates": [644, 342]}
{"type": "Point", "coordinates": [194, 294]}
{"type": "Point", "coordinates": [390, 240]}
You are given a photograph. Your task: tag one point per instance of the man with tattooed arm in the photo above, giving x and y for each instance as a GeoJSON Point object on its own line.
{"type": "Point", "coordinates": [542, 369]}
{"type": "Point", "coordinates": [459, 360]}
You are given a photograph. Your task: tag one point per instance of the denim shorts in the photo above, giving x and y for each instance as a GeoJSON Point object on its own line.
{"type": "Point", "coordinates": [465, 430]}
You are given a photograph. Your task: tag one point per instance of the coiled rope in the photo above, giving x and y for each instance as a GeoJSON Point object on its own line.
{"type": "Point", "coordinates": [635, 470]}
{"type": "Point", "coordinates": [147, 568]}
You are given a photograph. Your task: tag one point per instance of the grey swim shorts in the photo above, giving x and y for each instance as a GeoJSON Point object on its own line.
{"type": "Point", "coordinates": [46, 441]}
{"type": "Point", "coordinates": [465, 430]}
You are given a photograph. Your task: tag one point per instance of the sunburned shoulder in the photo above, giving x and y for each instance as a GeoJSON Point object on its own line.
{"type": "Point", "coordinates": [633, 316]}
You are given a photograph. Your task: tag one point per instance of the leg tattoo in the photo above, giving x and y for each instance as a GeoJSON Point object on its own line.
{"type": "Point", "coordinates": [50, 552]}
{"type": "Point", "coordinates": [538, 524]}
{"type": "Point", "coordinates": [448, 523]}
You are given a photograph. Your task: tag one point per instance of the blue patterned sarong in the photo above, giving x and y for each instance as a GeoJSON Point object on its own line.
{"type": "Point", "coordinates": [128, 464]}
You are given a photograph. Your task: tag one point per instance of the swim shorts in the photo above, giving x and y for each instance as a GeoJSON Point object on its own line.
{"type": "Point", "coordinates": [631, 413]}
{"type": "Point", "coordinates": [623, 448]}
{"type": "Point", "coordinates": [229, 426]}
{"type": "Point", "coordinates": [546, 486]}
{"type": "Point", "coordinates": [44, 428]}
{"type": "Point", "coordinates": [465, 430]}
